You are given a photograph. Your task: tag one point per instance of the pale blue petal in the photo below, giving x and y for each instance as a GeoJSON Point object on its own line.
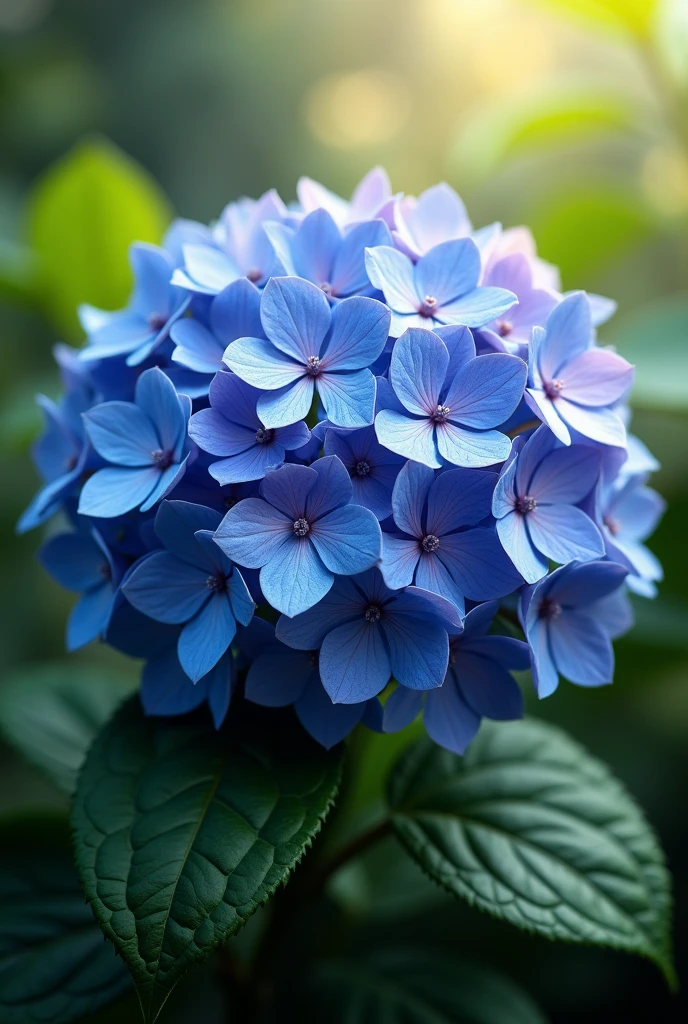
{"type": "Point", "coordinates": [449, 270]}
{"type": "Point", "coordinates": [349, 274]}
{"type": "Point", "coordinates": [564, 533]}
{"type": "Point", "coordinates": [295, 316]}
{"type": "Point", "coordinates": [259, 363]}
{"type": "Point", "coordinates": [156, 395]}
{"type": "Point", "coordinates": [167, 480]}
{"type": "Point", "coordinates": [581, 649]}
{"type": "Point", "coordinates": [348, 540]}
{"type": "Point", "coordinates": [196, 348]}
{"type": "Point", "coordinates": [360, 327]}
{"type": "Point", "coordinates": [513, 534]}
{"type": "Point", "coordinates": [418, 369]}
{"type": "Point", "coordinates": [569, 332]}
{"type": "Point", "coordinates": [545, 674]}
{"type": "Point", "coordinates": [295, 578]}
{"type": "Point", "coordinates": [253, 531]}
{"type": "Point", "coordinates": [122, 433]}
{"type": "Point", "coordinates": [240, 600]}
{"type": "Point", "coordinates": [207, 270]}
{"type": "Point", "coordinates": [89, 617]}
{"type": "Point", "coordinates": [477, 308]}
{"type": "Point", "coordinates": [473, 449]}
{"type": "Point", "coordinates": [313, 247]}
{"type": "Point", "coordinates": [413, 438]}
{"type": "Point", "coordinates": [112, 491]}
{"type": "Point", "coordinates": [602, 425]}
{"type": "Point", "coordinates": [486, 390]}
{"type": "Point", "coordinates": [392, 273]}
{"type": "Point", "coordinates": [348, 398]}
{"type": "Point", "coordinates": [544, 408]}
{"type": "Point", "coordinates": [287, 405]}
{"type": "Point", "coordinates": [434, 576]}
{"type": "Point", "coordinates": [399, 559]}
{"type": "Point", "coordinates": [409, 497]}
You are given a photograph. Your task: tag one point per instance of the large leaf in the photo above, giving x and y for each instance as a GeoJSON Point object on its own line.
{"type": "Point", "coordinates": [532, 829]}
{"type": "Point", "coordinates": [54, 964]}
{"type": "Point", "coordinates": [417, 986]}
{"type": "Point", "coordinates": [84, 213]}
{"type": "Point", "coordinates": [181, 833]}
{"type": "Point", "coordinates": [51, 713]}
{"type": "Point", "coordinates": [655, 339]}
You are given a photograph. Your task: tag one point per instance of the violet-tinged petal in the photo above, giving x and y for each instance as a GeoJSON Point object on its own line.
{"type": "Point", "coordinates": [477, 308]}
{"type": "Point", "coordinates": [597, 377]}
{"type": "Point", "coordinates": [478, 564]}
{"type": "Point", "coordinates": [360, 327]}
{"type": "Point", "coordinates": [409, 497]}
{"type": "Point", "coordinates": [448, 270]}
{"type": "Point", "coordinates": [565, 476]}
{"type": "Point", "coordinates": [602, 425]}
{"type": "Point", "coordinates": [564, 533]}
{"type": "Point", "coordinates": [569, 332]}
{"type": "Point", "coordinates": [581, 649]}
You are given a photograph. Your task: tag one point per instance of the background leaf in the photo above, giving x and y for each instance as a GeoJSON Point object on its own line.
{"type": "Point", "coordinates": [419, 986]}
{"type": "Point", "coordinates": [51, 713]}
{"type": "Point", "coordinates": [655, 339]}
{"type": "Point", "coordinates": [182, 833]}
{"type": "Point", "coordinates": [532, 829]}
{"type": "Point", "coordinates": [84, 213]}
{"type": "Point", "coordinates": [635, 16]}
{"type": "Point", "coordinates": [54, 964]}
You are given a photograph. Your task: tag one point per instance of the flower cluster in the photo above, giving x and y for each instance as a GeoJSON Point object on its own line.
{"type": "Point", "coordinates": [337, 455]}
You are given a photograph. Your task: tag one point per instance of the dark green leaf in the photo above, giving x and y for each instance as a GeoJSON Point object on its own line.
{"type": "Point", "coordinates": [54, 964]}
{"type": "Point", "coordinates": [181, 833]}
{"type": "Point", "coordinates": [417, 986]}
{"type": "Point", "coordinates": [85, 212]}
{"type": "Point", "coordinates": [51, 714]}
{"type": "Point", "coordinates": [532, 829]}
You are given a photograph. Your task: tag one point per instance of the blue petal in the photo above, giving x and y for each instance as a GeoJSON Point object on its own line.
{"type": "Point", "coordinates": [418, 650]}
{"type": "Point", "coordinates": [348, 540]}
{"type": "Point", "coordinates": [410, 496]}
{"type": "Point", "coordinates": [314, 245]}
{"type": "Point", "coordinates": [220, 682]}
{"type": "Point", "coordinates": [235, 312]}
{"type": "Point", "coordinates": [113, 491]}
{"type": "Point", "coordinates": [253, 532]}
{"type": "Point", "coordinates": [197, 348]}
{"type": "Point", "coordinates": [576, 585]}
{"type": "Point", "coordinates": [418, 369]}
{"type": "Point", "coordinates": [434, 576]}
{"type": "Point", "coordinates": [252, 464]}
{"type": "Point", "coordinates": [122, 433]}
{"type": "Point", "coordinates": [75, 561]}
{"type": "Point", "coordinates": [349, 398]}
{"type": "Point", "coordinates": [165, 588]}
{"type": "Point", "coordinates": [287, 405]}
{"type": "Point", "coordinates": [448, 719]}
{"type": "Point", "coordinates": [207, 270]}
{"type": "Point", "coordinates": [545, 674]}
{"type": "Point", "coordinates": [166, 690]}
{"type": "Point", "coordinates": [477, 308]}
{"type": "Point", "coordinates": [262, 365]}
{"type": "Point", "coordinates": [568, 333]}
{"type": "Point", "coordinates": [478, 565]}
{"type": "Point", "coordinates": [240, 600]}
{"type": "Point", "coordinates": [289, 487]}
{"type": "Point", "coordinates": [513, 533]}
{"type": "Point", "coordinates": [354, 665]}
{"type": "Point", "coordinates": [90, 616]}
{"type": "Point", "coordinates": [331, 489]}
{"type": "Point", "coordinates": [459, 497]}
{"type": "Point", "coordinates": [295, 316]}
{"type": "Point", "coordinates": [206, 637]}
{"type": "Point", "coordinates": [581, 649]}
{"type": "Point", "coordinates": [564, 533]}
{"type": "Point", "coordinates": [471, 448]}
{"type": "Point", "coordinates": [306, 632]}
{"type": "Point", "coordinates": [486, 390]}
{"type": "Point", "coordinates": [603, 425]}
{"type": "Point", "coordinates": [295, 578]}
{"type": "Point", "coordinates": [408, 436]}
{"type": "Point", "coordinates": [487, 687]}
{"type": "Point", "coordinates": [360, 327]}
{"type": "Point", "coordinates": [278, 678]}
{"type": "Point", "coordinates": [349, 274]}
{"type": "Point", "coordinates": [176, 523]}
{"type": "Point", "coordinates": [167, 480]}
{"type": "Point", "coordinates": [217, 435]}
{"type": "Point", "coordinates": [156, 395]}
{"type": "Point", "coordinates": [293, 436]}
{"type": "Point", "coordinates": [399, 560]}
{"type": "Point", "coordinates": [326, 722]}
{"type": "Point", "coordinates": [392, 273]}
{"type": "Point", "coordinates": [401, 708]}
{"type": "Point", "coordinates": [448, 270]}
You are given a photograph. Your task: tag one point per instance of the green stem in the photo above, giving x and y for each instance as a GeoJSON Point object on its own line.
{"type": "Point", "coordinates": [358, 845]}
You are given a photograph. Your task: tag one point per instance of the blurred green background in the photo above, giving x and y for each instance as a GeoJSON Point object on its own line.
{"type": "Point", "coordinates": [570, 116]}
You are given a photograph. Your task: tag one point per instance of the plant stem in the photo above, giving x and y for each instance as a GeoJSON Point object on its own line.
{"type": "Point", "coordinates": [358, 845]}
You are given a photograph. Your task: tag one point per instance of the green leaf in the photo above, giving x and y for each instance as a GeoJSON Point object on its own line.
{"type": "Point", "coordinates": [418, 986]}
{"type": "Point", "coordinates": [532, 829]}
{"type": "Point", "coordinates": [655, 340]}
{"type": "Point", "coordinates": [634, 16]}
{"type": "Point", "coordinates": [181, 833]}
{"type": "Point", "coordinates": [54, 964]}
{"type": "Point", "coordinates": [51, 714]}
{"type": "Point", "coordinates": [83, 215]}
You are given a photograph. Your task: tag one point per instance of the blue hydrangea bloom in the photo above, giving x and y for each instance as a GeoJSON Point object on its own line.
{"type": "Point", "coordinates": [240, 248]}
{"type": "Point", "coordinates": [200, 342]}
{"type": "Point", "coordinates": [512, 332]}
{"type": "Point", "coordinates": [312, 347]}
{"type": "Point", "coordinates": [535, 505]}
{"type": "Point", "coordinates": [478, 685]}
{"type": "Point", "coordinates": [447, 400]}
{"type": "Point", "coordinates": [629, 513]}
{"type": "Point", "coordinates": [301, 532]}
{"type": "Point", "coordinates": [437, 215]}
{"type": "Point", "coordinates": [192, 583]}
{"type": "Point", "coordinates": [568, 625]}
{"type": "Point", "coordinates": [81, 562]}
{"type": "Point", "coordinates": [135, 332]}
{"type": "Point", "coordinates": [441, 288]}
{"type": "Point", "coordinates": [319, 252]}
{"type": "Point", "coordinates": [230, 428]}
{"type": "Point", "coordinates": [145, 444]}
{"type": "Point", "coordinates": [166, 689]}
{"type": "Point", "coordinates": [367, 633]}
{"type": "Point", "coordinates": [572, 385]}
{"type": "Point", "coordinates": [279, 675]}
{"type": "Point", "coordinates": [437, 543]}
{"type": "Point", "coordinates": [372, 468]}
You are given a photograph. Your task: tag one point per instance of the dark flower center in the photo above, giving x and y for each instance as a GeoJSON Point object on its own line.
{"type": "Point", "coordinates": [70, 463]}
{"type": "Point", "coordinates": [430, 543]}
{"type": "Point", "coordinates": [504, 328]}
{"type": "Point", "coordinates": [440, 414]}
{"type": "Point", "coordinates": [161, 459]}
{"type": "Point", "coordinates": [525, 505]}
{"type": "Point", "coordinates": [549, 609]}
{"type": "Point", "coordinates": [302, 527]}
{"type": "Point", "coordinates": [313, 658]}
{"type": "Point", "coordinates": [313, 366]}
{"type": "Point", "coordinates": [373, 613]}
{"type": "Point", "coordinates": [253, 274]}
{"type": "Point", "coordinates": [156, 321]}
{"type": "Point", "coordinates": [452, 653]}
{"type": "Point", "coordinates": [612, 524]}
{"type": "Point", "coordinates": [428, 306]}
{"type": "Point", "coordinates": [362, 468]}
{"type": "Point", "coordinates": [552, 388]}
{"type": "Point", "coordinates": [217, 583]}
{"type": "Point", "coordinates": [264, 435]}
{"type": "Point", "coordinates": [326, 287]}
{"type": "Point", "coordinates": [105, 571]}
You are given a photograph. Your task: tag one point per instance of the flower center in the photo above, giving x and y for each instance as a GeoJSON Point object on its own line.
{"type": "Point", "coordinates": [440, 414]}
{"type": "Point", "coordinates": [326, 287]}
{"type": "Point", "coordinates": [362, 468]}
{"type": "Point", "coordinates": [612, 524]}
{"type": "Point", "coordinates": [302, 527]}
{"type": "Point", "coordinates": [430, 543]}
{"type": "Point", "coordinates": [313, 366]}
{"type": "Point", "coordinates": [216, 584]}
{"type": "Point", "coordinates": [156, 321]}
{"type": "Point", "coordinates": [525, 505]}
{"type": "Point", "coordinates": [105, 571]}
{"type": "Point", "coordinates": [373, 613]}
{"type": "Point", "coordinates": [549, 609]}
{"type": "Point", "coordinates": [428, 306]}
{"type": "Point", "coordinates": [161, 459]}
{"type": "Point", "coordinates": [253, 275]}
{"type": "Point", "coordinates": [504, 328]}
{"type": "Point", "coordinates": [552, 388]}
{"type": "Point", "coordinates": [264, 435]}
